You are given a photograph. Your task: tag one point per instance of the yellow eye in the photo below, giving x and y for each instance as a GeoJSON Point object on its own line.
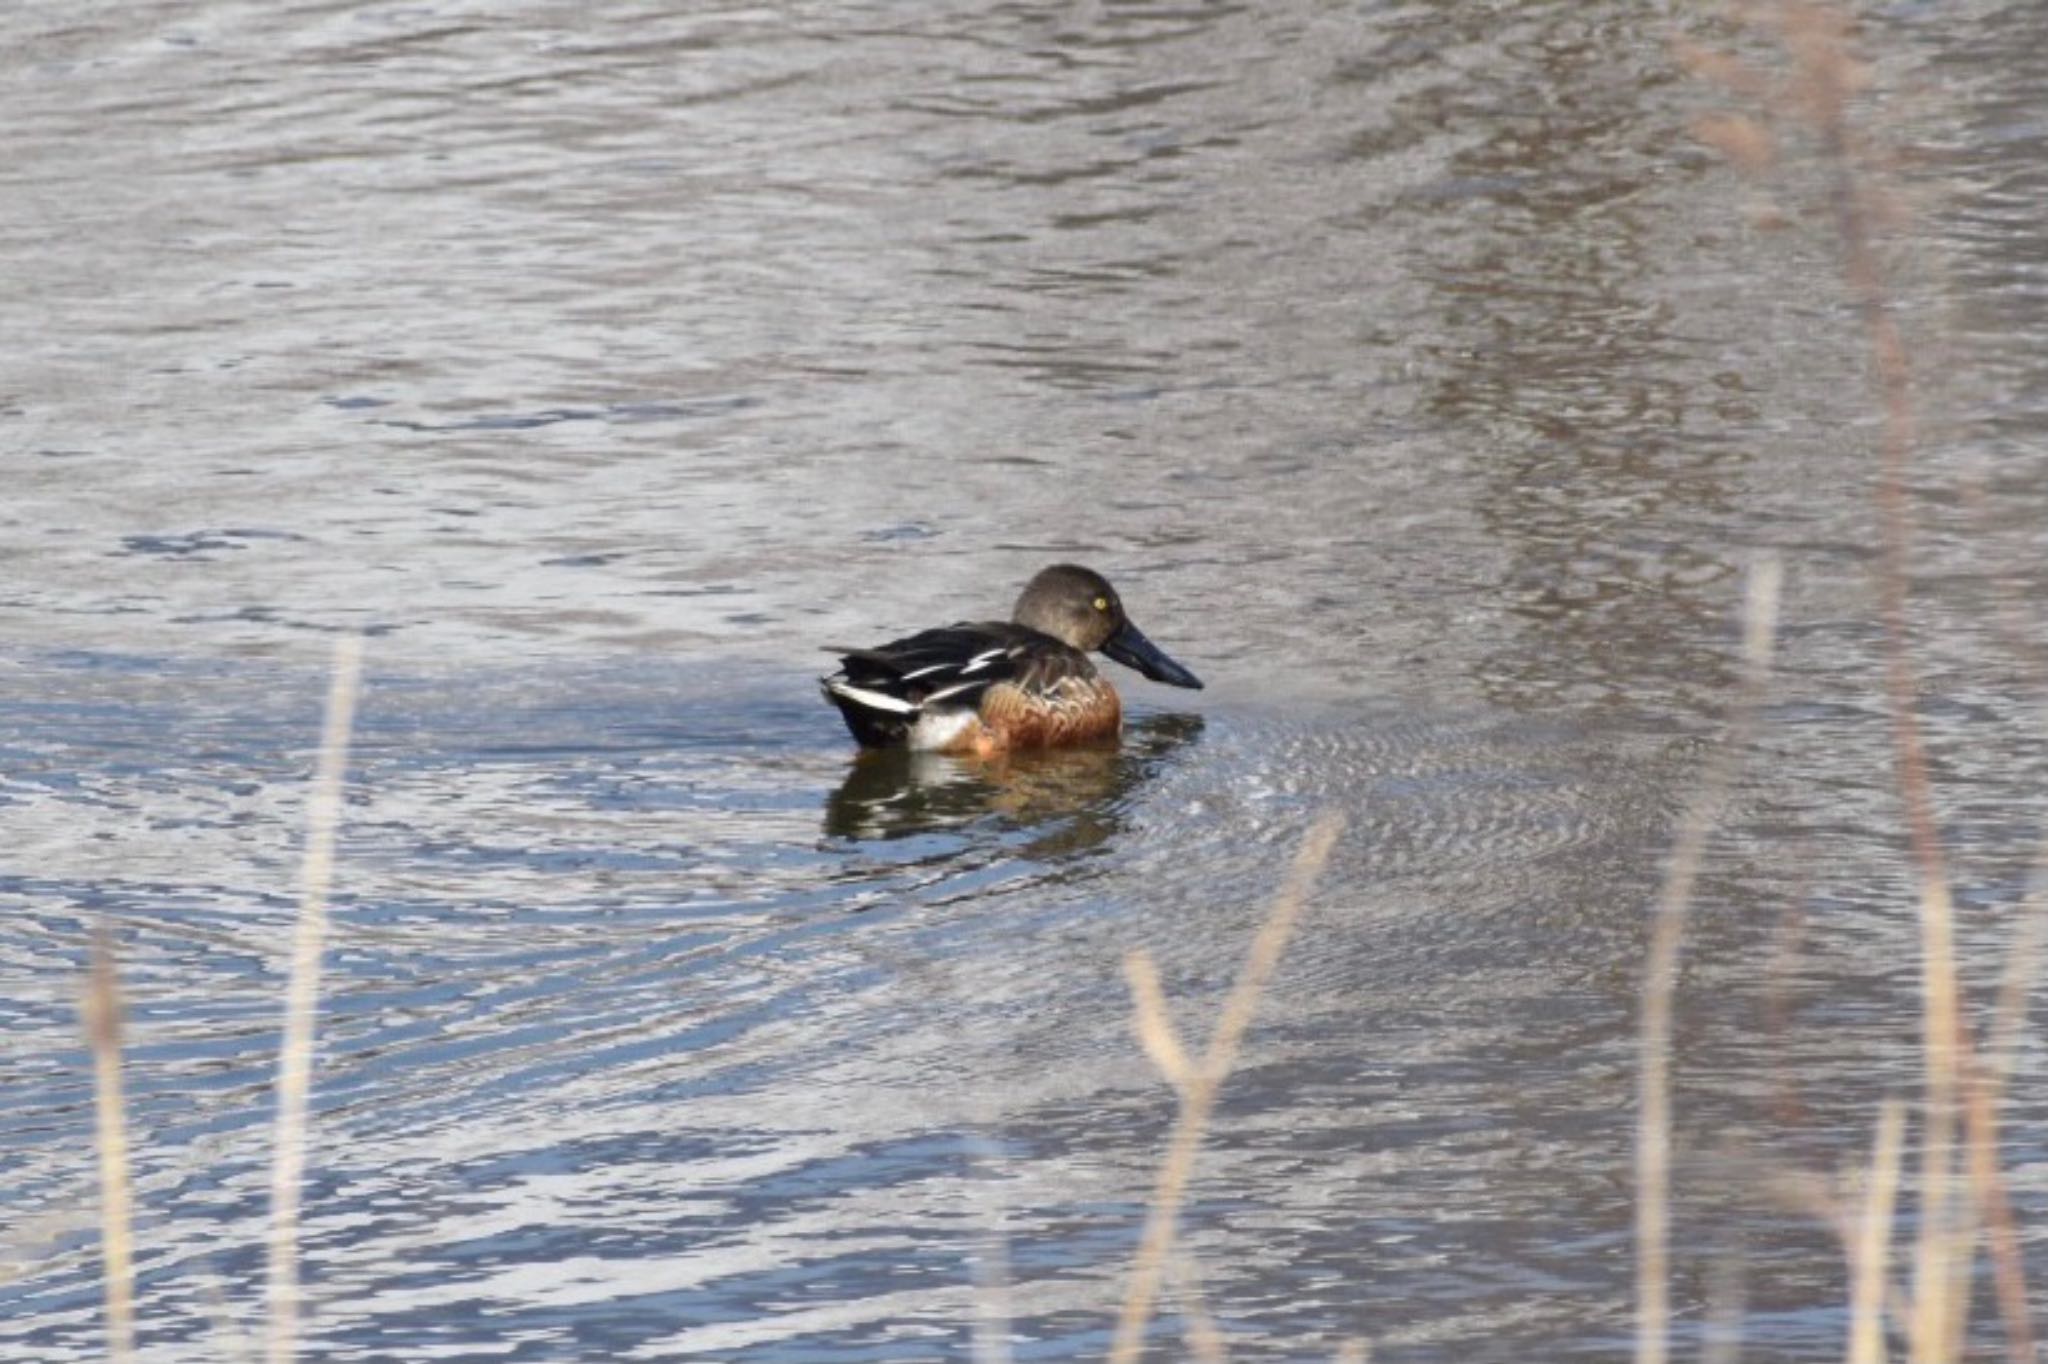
{"type": "Point", "coordinates": [1102, 603]}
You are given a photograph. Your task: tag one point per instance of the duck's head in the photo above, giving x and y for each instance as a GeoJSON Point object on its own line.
{"type": "Point", "coordinates": [1077, 606]}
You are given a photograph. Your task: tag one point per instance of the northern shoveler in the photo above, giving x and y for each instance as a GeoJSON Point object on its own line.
{"type": "Point", "coordinates": [987, 686]}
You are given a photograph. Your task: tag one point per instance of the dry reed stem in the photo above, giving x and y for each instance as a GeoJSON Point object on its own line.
{"type": "Point", "coordinates": [2011, 621]}
{"type": "Point", "coordinates": [1985, 1092]}
{"type": "Point", "coordinates": [992, 1301]}
{"type": "Point", "coordinates": [1813, 1195]}
{"type": "Point", "coordinates": [1197, 1084]}
{"type": "Point", "coordinates": [1727, 1288]}
{"type": "Point", "coordinates": [1981, 1094]}
{"type": "Point", "coordinates": [990, 1266]}
{"type": "Point", "coordinates": [1204, 1340]}
{"type": "Point", "coordinates": [2008, 1018]}
{"type": "Point", "coordinates": [101, 1011]}
{"type": "Point", "coordinates": [1824, 77]}
{"type": "Point", "coordinates": [1870, 1245]}
{"type": "Point", "coordinates": [1816, 38]}
{"type": "Point", "coordinates": [2022, 963]}
{"type": "Point", "coordinates": [302, 993]}
{"type": "Point", "coordinates": [1695, 825]}
{"type": "Point", "coordinates": [1153, 1021]}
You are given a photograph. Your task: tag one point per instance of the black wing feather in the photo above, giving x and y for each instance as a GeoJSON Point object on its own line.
{"type": "Point", "coordinates": [913, 668]}
{"type": "Point", "coordinates": [952, 665]}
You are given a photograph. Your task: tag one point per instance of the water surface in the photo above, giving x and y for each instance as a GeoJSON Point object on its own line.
{"type": "Point", "coordinates": [1416, 378]}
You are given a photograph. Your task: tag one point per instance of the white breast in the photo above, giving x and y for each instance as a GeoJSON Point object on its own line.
{"type": "Point", "coordinates": [938, 729]}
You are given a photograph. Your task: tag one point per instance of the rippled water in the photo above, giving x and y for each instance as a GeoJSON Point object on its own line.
{"type": "Point", "coordinates": [1418, 380]}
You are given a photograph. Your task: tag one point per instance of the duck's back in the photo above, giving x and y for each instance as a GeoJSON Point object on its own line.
{"type": "Point", "coordinates": [926, 689]}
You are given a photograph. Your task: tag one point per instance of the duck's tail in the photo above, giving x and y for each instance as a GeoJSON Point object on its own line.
{"type": "Point", "coordinates": [877, 719]}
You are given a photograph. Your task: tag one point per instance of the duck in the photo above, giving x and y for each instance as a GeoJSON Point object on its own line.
{"type": "Point", "coordinates": [990, 687]}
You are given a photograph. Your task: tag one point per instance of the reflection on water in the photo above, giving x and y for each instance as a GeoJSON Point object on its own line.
{"type": "Point", "coordinates": [1068, 800]}
{"type": "Point", "coordinates": [1408, 362]}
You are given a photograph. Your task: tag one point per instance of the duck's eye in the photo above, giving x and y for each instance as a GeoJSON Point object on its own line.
{"type": "Point", "coordinates": [1102, 603]}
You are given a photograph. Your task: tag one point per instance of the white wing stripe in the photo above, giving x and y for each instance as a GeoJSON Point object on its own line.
{"type": "Point", "coordinates": [873, 700]}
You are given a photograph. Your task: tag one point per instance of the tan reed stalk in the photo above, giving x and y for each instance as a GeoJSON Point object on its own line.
{"type": "Point", "coordinates": [1824, 75]}
{"type": "Point", "coordinates": [1816, 37]}
{"type": "Point", "coordinates": [1986, 1092]}
{"type": "Point", "coordinates": [1869, 1243]}
{"type": "Point", "coordinates": [2022, 964]}
{"type": "Point", "coordinates": [1204, 1338]}
{"type": "Point", "coordinates": [1726, 1288]}
{"type": "Point", "coordinates": [1990, 1206]}
{"type": "Point", "coordinates": [1196, 1084]}
{"type": "Point", "coordinates": [1804, 1192]}
{"type": "Point", "coordinates": [991, 1272]}
{"type": "Point", "coordinates": [302, 993]}
{"type": "Point", "coordinates": [992, 1301]}
{"type": "Point", "coordinates": [101, 1011]}
{"type": "Point", "coordinates": [1941, 1300]}
{"type": "Point", "coordinates": [1660, 976]}
{"type": "Point", "coordinates": [989, 1269]}
{"type": "Point", "coordinates": [1982, 1086]}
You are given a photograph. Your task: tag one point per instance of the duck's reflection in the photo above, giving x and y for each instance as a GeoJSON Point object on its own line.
{"type": "Point", "coordinates": [1072, 799]}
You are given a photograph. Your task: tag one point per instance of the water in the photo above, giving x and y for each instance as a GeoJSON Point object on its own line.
{"type": "Point", "coordinates": [1415, 377]}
